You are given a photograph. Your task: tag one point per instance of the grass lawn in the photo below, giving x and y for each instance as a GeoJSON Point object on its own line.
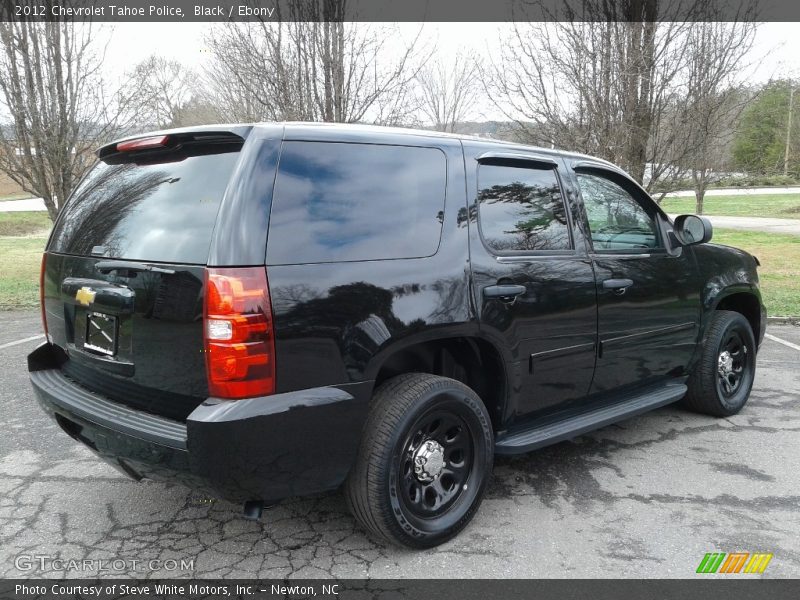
{"type": "Point", "coordinates": [779, 272]}
{"type": "Point", "coordinates": [20, 260]}
{"type": "Point", "coordinates": [786, 206]}
{"type": "Point", "coordinates": [24, 223]}
{"type": "Point", "coordinates": [22, 239]}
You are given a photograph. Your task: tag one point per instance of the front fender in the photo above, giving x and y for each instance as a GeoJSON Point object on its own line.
{"type": "Point", "coordinates": [727, 271]}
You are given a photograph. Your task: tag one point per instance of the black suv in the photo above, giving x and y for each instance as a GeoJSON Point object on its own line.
{"type": "Point", "coordinates": [264, 311]}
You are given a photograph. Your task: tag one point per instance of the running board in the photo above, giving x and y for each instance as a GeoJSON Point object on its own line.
{"type": "Point", "coordinates": [538, 436]}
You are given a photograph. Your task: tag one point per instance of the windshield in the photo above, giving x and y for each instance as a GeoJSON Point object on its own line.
{"type": "Point", "coordinates": [163, 211]}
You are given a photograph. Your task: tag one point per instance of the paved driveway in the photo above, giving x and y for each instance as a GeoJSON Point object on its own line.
{"type": "Point", "coordinates": [765, 224]}
{"type": "Point", "coordinates": [644, 498]}
{"type": "Point", "coordinates": [22, 205]}
{"type": "Point", "coordinates": [752, 191]}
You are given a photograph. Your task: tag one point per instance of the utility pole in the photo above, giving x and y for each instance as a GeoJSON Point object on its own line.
{"type": "Point", "coordinates": [788, 133]}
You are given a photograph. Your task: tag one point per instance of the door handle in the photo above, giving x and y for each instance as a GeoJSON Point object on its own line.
{"type": "Point", "coordinates": [504, 292]}
{"type": "Point", "coordinates": [619, 286]}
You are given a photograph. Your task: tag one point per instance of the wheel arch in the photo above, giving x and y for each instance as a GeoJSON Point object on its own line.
{"type": "Point", "coordinates": [745, 301]}
{"type": "Point", "coordinates": [470, 359]}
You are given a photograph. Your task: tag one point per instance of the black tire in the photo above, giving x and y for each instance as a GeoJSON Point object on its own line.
{"type": "Point", "coordinates": [404, 507]}
{"type": "Point", "coordinates": [717, 386]}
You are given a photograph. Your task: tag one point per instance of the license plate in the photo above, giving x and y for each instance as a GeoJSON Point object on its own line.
{"type": "Point", "coordinates": [101, 333]}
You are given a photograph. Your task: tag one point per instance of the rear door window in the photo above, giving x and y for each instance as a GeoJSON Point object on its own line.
{"type": "Point", "coordinates": [338, 202]}
{"type": "Point", "coordinates": [521, 209]}
{"type": "Point", "coordinates": [162, 211]}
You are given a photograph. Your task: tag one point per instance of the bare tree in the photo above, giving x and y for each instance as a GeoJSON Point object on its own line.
{"type": "Point", "coordinates": [628, 81]}
{"type": "Point", "coordinates": [714, 97]}
{"type": "Point", "coordinates": [51, 86]}
{"type": "Point", "coordinates": [163, 88]}
{"type": "Point", "coordinates": [596, 86]}
{"type": "Point", "coordinates": [448, 91]}
{"type": "Point", "coordinates": [201, 109]}
{"type": "Point", "coordinates": [310, 65]}
{"type": "Point", "coordinates": [228, 96]}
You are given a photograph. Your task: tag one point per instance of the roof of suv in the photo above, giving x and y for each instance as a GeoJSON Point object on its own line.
{"type": "Point", "coordinates": [298, 127]}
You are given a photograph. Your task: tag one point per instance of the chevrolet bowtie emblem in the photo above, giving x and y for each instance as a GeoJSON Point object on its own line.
{"type": "Point", "coordinates": [85, 296]}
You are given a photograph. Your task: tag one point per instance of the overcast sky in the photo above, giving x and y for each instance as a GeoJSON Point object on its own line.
{"type": "Point", "coordinates": [776, 52]}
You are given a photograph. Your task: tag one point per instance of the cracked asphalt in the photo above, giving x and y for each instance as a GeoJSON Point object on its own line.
{"type": "Point", "coordinates": [645, 498]}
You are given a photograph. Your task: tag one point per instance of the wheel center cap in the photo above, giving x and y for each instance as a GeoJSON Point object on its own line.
{"type": "Point", "coordinates": [725, 363]}
{"type": "Point", "coordinates": [429, 461]}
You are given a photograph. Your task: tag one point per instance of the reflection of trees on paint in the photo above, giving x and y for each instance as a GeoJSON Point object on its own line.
{"type": "Point", "coordinates": [304, 309]}
{"type": "Point", "coordinates": [347, 312]}
{"type": "Point", "coordinates": [532, 217]}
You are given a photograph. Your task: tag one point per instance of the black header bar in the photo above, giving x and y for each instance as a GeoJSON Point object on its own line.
{"type": "Point", "coordinates": [735, 587]}
{"type": "Point", "coordinates": [398, 10]}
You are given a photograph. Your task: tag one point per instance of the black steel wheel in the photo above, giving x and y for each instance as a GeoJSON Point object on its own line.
{"type": "Point", "coordinates": [436, 461]}
{"type": "Point", "coordinates": [732, 361]}
{"type": "Point", "coordinates": [424, 461]}
{"type": "Point", "coordinates": [721, 381]}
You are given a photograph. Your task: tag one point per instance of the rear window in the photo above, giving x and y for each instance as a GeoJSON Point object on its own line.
{"type": "Point", "coordinates": [337, 202]}
{"type": "Point", "coordinates": [163, 211]}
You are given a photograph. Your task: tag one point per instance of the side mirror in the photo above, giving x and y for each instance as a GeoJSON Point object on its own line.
{"type": "Point", "coordinates": [691, 229]}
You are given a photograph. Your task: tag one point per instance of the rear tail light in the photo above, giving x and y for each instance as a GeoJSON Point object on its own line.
{"type": "Point", "coordinates": [41, 294]}
{"type": "Point", "coordinates": [239, 341]}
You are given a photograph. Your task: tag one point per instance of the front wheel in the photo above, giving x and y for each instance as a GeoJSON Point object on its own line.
{"type": "Point", "coordinates": [424, 460]}
{"type": "Point", "coordinates": [721, 382]}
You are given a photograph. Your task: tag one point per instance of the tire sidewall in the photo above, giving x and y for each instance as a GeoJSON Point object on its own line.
{"type": "Point", "coordinates": [414, 530]}
{"type": "Point", "coordinates": [733, 404]}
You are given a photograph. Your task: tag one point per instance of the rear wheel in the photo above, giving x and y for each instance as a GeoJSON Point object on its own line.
{"type": "Point", "coordinates": [721, 382]}
{"type": "Point", "coordinates": [424, 459]}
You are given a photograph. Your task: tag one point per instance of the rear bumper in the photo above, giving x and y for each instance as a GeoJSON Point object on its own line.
{"type": "Point", "coordinates": [269, 448]}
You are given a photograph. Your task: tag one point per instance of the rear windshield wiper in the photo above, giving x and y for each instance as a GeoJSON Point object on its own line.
{"type": "Point", "coordinates": [106, 266]}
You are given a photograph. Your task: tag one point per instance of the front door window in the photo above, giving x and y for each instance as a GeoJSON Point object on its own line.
{"type": "Point", "coordinates": [616, 220]}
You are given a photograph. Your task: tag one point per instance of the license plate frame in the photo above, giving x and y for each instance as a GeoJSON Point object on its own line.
{"type": "Point", "coordinates": [101, 333]}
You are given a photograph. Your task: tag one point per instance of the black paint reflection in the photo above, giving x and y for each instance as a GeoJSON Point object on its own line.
{"type": "Point", "coordinates": [336, 332]}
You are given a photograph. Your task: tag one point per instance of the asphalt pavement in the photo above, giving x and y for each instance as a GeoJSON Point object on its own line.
{"type": "Point", "coordinates": [765, 224]}
{"type": "Point", "coordinates": [740, 191]}
{"type": "Point", "coordinates": [647, 497]}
